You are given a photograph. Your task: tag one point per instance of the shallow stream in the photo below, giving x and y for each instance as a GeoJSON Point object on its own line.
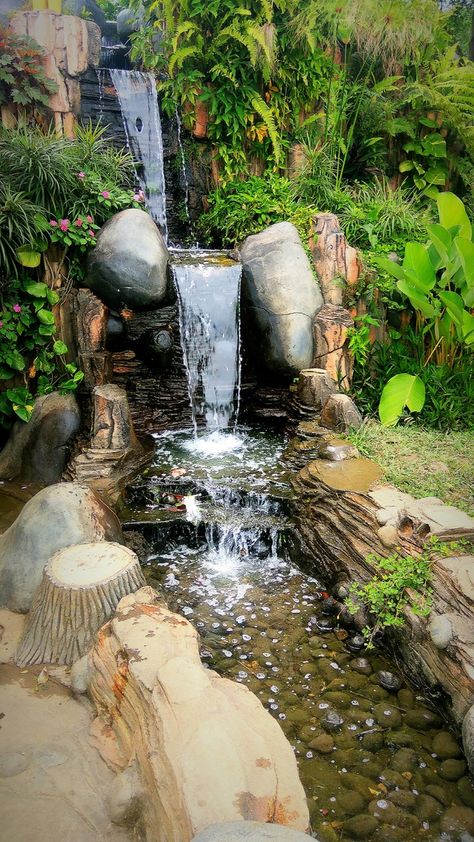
{"type": "Point", "coordinates": [374, 757]}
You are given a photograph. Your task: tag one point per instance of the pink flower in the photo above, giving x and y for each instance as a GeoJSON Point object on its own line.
{"type": "Point", "coordinates": [81, 175]}
{"type": "Point", "coordinates": [91, 232]}
{"type": "Point", "coordinates": [78, 222]}
{"type": "Point", "coordinates": [139, 196]}
{"type": "Point", "coordinates": [16, 308]}
{"type": "Point", "coordinates": [53, 223]}
{"type": "Point", "coordinates": [1, 325]}
{"type": "Point", "coordinates": [105, 194]}
{"type": "Point", "coordinates": [89, 219]}
{"type": "Point", "coordinates": [64, 224]}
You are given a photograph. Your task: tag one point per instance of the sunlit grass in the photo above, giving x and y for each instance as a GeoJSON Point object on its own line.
{"type": "Point", "coordinates": [424, 463]}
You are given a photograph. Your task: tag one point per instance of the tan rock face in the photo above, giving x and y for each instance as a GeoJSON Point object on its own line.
{"type": "Point", "coordinates": [205, 749]}
{"type": "Point", "coordinates": [333, 257]}
{"type": "Point", "coordinates": [331, 350]}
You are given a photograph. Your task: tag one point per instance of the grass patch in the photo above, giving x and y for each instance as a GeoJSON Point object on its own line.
{"type": "Point", "coordinates": [424, 463]}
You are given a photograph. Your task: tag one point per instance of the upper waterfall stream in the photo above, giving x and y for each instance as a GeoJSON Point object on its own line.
{"type": "Point", "coordinates": [141, 118]}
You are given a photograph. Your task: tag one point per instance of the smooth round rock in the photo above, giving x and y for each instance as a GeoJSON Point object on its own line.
{"type": "Point", "coordinates": [332, 721]}
{"type": "Point", "coordinates": [323, 743]}
{"type": "Point", "coordinates": [355, 643]}
{"type": "Point", "coordinates": [404, 760]}
{"type": "Point", "coordinates": [452, 770]}
{"type": "Point", "coordinates": [422, 719]}
{"type": "Point", "coordinates": [127, 267]}
{"type": "Point", "coordinates": [441, 630]}
{"type": "Point", "coordinates": [457, 822]}
{"type": "Point", "coordinates": [466, 791]}
{"type": "Point", "coordinates": [361, 665]}
{"type": "Point", "coordinates": [280, 292]}
{"type": "Point", "coordinates": [337, 450]}
{"type": "Point", "coordinates": [360, 827]}
{"type": "Point", "coordinates": [350, 802]}
{"type": "Point", "coordinates": [428, 809]}
{"type": "Point", "coordinates": [387, 716]}
{"type": "Point", "coordinates": [445, 746]}
{"type": "Point", "coordinates": [250, 832]}
{"type": "Point", "coordinates": [389, 681]}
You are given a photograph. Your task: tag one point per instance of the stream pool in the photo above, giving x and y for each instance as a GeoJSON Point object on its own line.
{"type": "Point", "coordinates": [374, 757]}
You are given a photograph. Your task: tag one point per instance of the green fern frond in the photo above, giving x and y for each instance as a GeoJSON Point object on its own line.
{"type": "Point", "coordinates": [178, 58]}
{"type": "Point", "coordinates": [242, 36]}
{"type": "Point", "coordinates": [268, 118]}
{"type": "Point", "coordinates": [265, 42]}
{"type": "Point", "coordinates": [184, 28]}
{"type": "Point", "coordinates": [267, 9]}
{"type": "Point", "coordinates": [221, 71]}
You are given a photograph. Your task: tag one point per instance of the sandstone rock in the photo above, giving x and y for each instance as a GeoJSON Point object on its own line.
{"type": "Point", "coordinates": [350, 475]}
{"type": "Point", "coordinates": [125, 797]}
{"type": "Point", "coordinates": [388, 535]}
{"type": "Point", "coordinates": [340, 413]}
{"type": "Point", "coordinates": [336, 450]}
{"type": "Point", "coordinates": [37, 451]}
{"type": "Point", "coordinates": [54, 518]}
{"type": "Point", "coordinates": [80, 676]}
{"type": "Point", "coordinates": [331, 350]}
{"type": "Point", "coordinates": [127, 268]}
{"type": "Point", "coordinates": [282, 295]}
{"type": "Point", "coordinates": [190, 732]}
{"type": "Point", "coordinates": [249, 831]}
{"type": "Point", "coordinates": [333, 257]}
{"type": "Point", "coordinates": [314, 387]}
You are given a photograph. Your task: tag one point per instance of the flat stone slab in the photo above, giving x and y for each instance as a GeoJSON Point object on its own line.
{"type": "Point", "coordinates": [249, 831]}
{"type": "Point", "coordinates": [349, 475]}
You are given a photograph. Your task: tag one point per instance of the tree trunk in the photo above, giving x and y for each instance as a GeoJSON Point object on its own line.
{"type": "Point", "coordinates": [81, 587]}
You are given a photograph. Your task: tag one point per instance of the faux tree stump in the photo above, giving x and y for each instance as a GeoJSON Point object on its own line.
{"type": "Point", "coordinates": [81, 587]}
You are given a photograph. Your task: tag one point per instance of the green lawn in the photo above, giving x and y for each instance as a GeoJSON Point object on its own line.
{"type": "Point", "coordinates": [424, 463]}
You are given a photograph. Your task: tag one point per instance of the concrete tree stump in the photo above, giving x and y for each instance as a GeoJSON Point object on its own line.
{"type": "Point", "coordinates": [81, 587]}
{"type": "Point", "coordinates": [314, 387]}
{"type": "Point", "coordinates": [112, 427]}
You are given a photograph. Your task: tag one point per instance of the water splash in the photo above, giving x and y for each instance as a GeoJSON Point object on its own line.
{"type": "Point", "coordinates": [208, 287]}
{"type": "Point", "coordinates": [141, 118]}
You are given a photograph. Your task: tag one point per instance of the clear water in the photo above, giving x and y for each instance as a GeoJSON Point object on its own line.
{"type": "Point", "coordinates": [263, 622]}
{"type": "Point", "coordinates": [208, 287]}
{"type": "Point", "coordinates": [141, 118]}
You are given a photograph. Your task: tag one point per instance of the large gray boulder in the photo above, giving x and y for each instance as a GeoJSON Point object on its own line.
{"type": "Point", "coordinates": [283, 297]}
{"type": "Point", "coordinates": [56, 517]}
{"type": "Point", "coordinates": [127, 268]}
{"type": "Point", "coordinates": [249, 832]}
{"type": "Point", "coordinates": [36, 451]}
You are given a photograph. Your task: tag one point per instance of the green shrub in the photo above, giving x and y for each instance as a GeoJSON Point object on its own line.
{"type": "Point", "coordinates": [246, 207]}
{"type": "Point", "coordinates": [30, 357]}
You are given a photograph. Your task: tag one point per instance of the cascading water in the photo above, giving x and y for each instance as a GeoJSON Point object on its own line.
{"type": "Point", "coordinates": [208, 289]}
{"type": "Point", "coordinates": [141, 118]}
